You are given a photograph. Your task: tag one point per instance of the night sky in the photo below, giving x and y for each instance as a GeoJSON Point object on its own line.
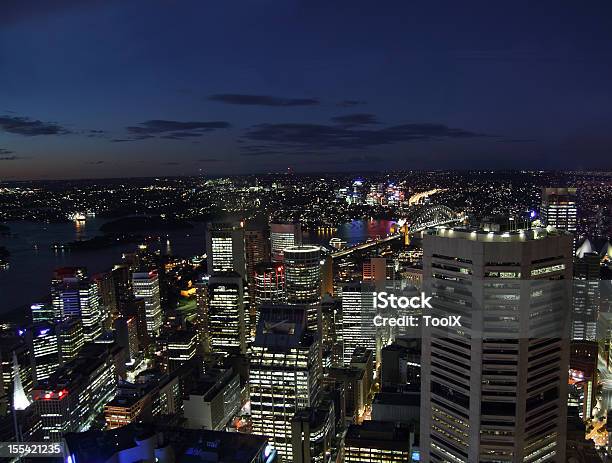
{"type": "Point", "coordinates": [140, 88]}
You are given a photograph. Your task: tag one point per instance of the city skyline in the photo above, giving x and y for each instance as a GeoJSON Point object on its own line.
{"type": "Point", "coordinates": [109, 89]}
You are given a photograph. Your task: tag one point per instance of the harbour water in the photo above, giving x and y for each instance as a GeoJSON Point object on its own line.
{"type": "Point", "coordinates": [33, 258]}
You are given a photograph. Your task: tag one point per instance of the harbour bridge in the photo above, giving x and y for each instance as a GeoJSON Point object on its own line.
{"type": "Point", "coordinates": [426, 217]}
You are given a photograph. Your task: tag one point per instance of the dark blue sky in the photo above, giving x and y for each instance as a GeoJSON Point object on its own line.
{"type": "Point", "coordinates": [120, 88]}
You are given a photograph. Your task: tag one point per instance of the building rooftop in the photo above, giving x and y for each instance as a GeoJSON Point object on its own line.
{"type": "Point", "coordinates": [188, 446]}
{"type": "Point", "coordinates": [478, 234]}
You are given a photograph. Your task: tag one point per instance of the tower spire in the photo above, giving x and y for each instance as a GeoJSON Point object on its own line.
{"type": "Point", "coordinates": [20, 400]}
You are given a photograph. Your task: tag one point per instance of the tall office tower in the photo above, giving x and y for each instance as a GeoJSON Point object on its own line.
{"type": "Point", "coordinates": [269, 284]}
{"type": "Point", "coordinates": [70, 338]}
{"type": "Point", "coordinates": [285, 373]}
{"type": "Point", "coordinates": [126, 328]}
{"type": "Point", "coordinates": [146, 286]}
{"type": "Point", "coordinates": [72, 398]}
{"type": "Point", "coordinates": [225, 248]}
{"type": "Point", "coordinates": [284, 235]}
{"type": "Point", "coordinates": [303, 281]}
{"type": "Point", "coordinates": [358, 312]}
{"type": "Point", "coordinates": [76, 296]}
{"type": "Point", "coordinates": [108, 298]}
{"type": "Point", "coordinates": [123, 286]}
{"type": "Point", "coordinates": [44, 350]}
{"type": "Point", "coordinates": [257, 248]}
{"type": "Point", "coordinates": [495, 388]}
{"type": "Point", "coordinates": [227, 324]}
{"type": "Point", "coordinates": [585, 311]}
{"type": "Point", "coordinates": [327, 276]}
{"type": "Point", "coordinates": [559, 208]}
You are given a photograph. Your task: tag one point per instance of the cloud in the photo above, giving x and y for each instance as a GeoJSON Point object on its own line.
{"type": "Point", "coordinates": [209, 160]}
{"type": "Point", "coordinates": [5, 151]}
{"type": "Point", "coordinates": [171, 163]}
{"type": "Point", "coordinates": [10, 158]}
{"type": "Point", "coordinates": [171, 130]}
{"type": "Point", "coordinates": [351, 120]}
{"type": "Point", "coordinates": [319, 137]}
{"type": "Point", "coordinates": [95, 163]}
{"type": "Point", "coordinates": [349, 103]}
{"type": "Point", "coordinates": [262, 100]}
{"type": "Point", "coordinates": [30, 127]}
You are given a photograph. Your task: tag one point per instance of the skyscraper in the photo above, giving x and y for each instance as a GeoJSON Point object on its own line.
{"type": "Point", "coordinates": [44, 350]}
{"type": "Point", "coordinates": [225, 247]}
{"type": "Point", "coordinates": [585, 310]}
{"type": "Point", "coordinates": [559, 208]}
{"type": "Point", "coordinates": [257, 248]}
{"type": "Point", "coordinates": [285, 373]}
{"type": "Point", "coordinates": [146, 287]}
{"type": "Point", "coordinates": [495, 388]}
{"type": "Point", "coordinates": [226, 317]}
{"type": "Point", "coordinates": [74, 295]}
{"type": "Point", "coordinates": [284, 235]}
{"type": "Point", "coordinates": [358, 312]}
{"type": "Point", "coordinates": [303, 280]}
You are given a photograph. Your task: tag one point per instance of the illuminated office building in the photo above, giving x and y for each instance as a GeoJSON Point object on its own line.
{"type": "Point", "coordinates": [358, 312]}
{"type": "Point", "coordinates": [71, 398]}
{"type": "Point", "coordinates": [257, 248]}
{"type": "Point", "coordinates": [70, 338]}
{"type": "Point", "coordinates": [146, 286]}
{"type": "Point", "coordinates": [178, 347]}
{"type": "Point", "coordinates": [269, 284]}
{"type": "Point", "coordinates": [284, 235]}
{"type": "Point", "coordinates": [285, 374]}
{"type": "Point", "coordinates": [226, 318]}
{"type": "Point", "coordinates": [303, 281]}
{"type": "Point", "coordinates": [378, 442]}
{"type": "Point", "coordinates": [586, 300]}
{"type": "Point", "coordinates": [42, 312]}
{"type": "Point", "coordinates": [76, 296]}
{"type": "Point", "coordinates": [312, 432]}
{"type": "Point", "coordinates": [44, 350]}
{"type": "Point", "coordinates": [495, 388]}
{"type": "Point", "coordinates": [559, 208]}
{"type": "Point", "coordinates": [225, 247]}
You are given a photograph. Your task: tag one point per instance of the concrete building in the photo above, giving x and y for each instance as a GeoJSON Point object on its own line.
{"type": "Point", "coordinates": [495, 388]}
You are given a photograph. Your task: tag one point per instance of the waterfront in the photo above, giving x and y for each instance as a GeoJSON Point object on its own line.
{"type": "Point", "coordinates": [33, 258]}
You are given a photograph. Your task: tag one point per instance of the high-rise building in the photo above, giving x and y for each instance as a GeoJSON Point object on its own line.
{"type": "Point", "coordinates": [70, 339]}
{"type": "Point", "coordinates": [303, 281]}
{"type": "Point", "coordinates": [358, 312]}
{"type": "Point", "coordinates": [559, 208]}
{"type": "Point", "coordinates": [71, 398]}
{"type": "Point", "coordinates": [227, 320]}
{"type": "Point", "coordinates": [269, 284]}
{"type": "Point", "coordinates": [146, 286]}
{"type": "Point", "coordinates": [285, 373]}
{"type": "Point", "coordinates": [495, 387]}
{"type": "Point", "coordinates": [177, 348]}
{"type": "Point", "coordinates": [225, 247]}
{"type": "Point", "coordinates": [108, 297]}
{"type": "Point", "coordinates": [126, 328]}
{"type": "Point", "coordinates": [74, 295]}
{"type": "Point", "coordinates": [585, 310]}
{"type": "Point", "coordinates": [284, 235]}
{"type": "Point", "coordinates": [375, 271]}
{"type": "Point", "coordinates": [44, 350]}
